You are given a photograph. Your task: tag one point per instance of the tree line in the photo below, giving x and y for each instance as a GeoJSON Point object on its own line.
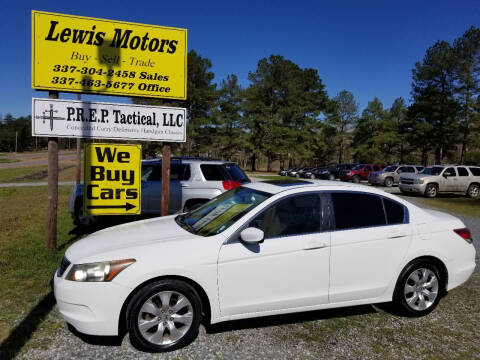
{"type": "Point", "coordinates": [284, 117]}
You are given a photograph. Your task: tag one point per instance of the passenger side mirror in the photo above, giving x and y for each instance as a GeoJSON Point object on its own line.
{"type": "Point", "coordinates": [252, 235]}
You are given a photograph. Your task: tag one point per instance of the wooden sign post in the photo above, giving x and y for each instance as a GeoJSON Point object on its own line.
{"type": "Point", "coordinates": [52, 187]}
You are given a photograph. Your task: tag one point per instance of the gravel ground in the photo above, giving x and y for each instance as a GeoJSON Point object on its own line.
{"type": "Point", "coordinates": [366, 332]}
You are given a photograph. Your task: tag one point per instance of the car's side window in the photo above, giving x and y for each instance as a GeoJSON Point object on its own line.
{"type": "Point", "coordinates": [355, 210]}
{"type": "Point", "coordinates": [376, 168]}
{"type": "Point", "coordinates": [395, 212]}
{"type": "Point", "coordinates": [295, 215]}
{"type": "Point", "coordinates": [401, 170]}
{"type": "Point", "coordinates": [152, 172]}
{"type": "Point", "coordinates": [180, 172]}
{"type": "Point", "coordinates": [367, 168]}
{"type": "Point", "coordinates": [419, 168]}
{"type": "Point", "coordinates": [410, 169]}
{"type": "Point", "coordinates": [449, 172]}
{"type": "Point", "coordinates": [462, 171]}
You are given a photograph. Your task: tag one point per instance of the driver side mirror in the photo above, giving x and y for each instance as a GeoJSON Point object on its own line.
{"type": "Point", "coordinates": [252, 235]}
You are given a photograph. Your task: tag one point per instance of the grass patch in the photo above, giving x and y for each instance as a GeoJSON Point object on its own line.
{"type": "Point", "coordinates": [7, 160]}
{"type": "Point", "coordinates": [450, 203]}
{"type": "Point", "coordinates": [67, 171]}
{"type": "Point", "coordinates": [25, 266]}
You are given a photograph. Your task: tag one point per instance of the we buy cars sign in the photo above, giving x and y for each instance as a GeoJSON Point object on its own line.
{"type": "Point", "coordinates": [112, 179]}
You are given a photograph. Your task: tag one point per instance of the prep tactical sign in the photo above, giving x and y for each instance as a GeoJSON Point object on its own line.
{"type": "Point", "coordinates": [82, 119]}
{"type": "Point", "coordinates": [112, 180]}
{"type": "Point", "coordinates": [89, 55]}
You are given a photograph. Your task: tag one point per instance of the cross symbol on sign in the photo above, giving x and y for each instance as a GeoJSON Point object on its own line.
{"type": "Point", "coordinates": [48, 115]}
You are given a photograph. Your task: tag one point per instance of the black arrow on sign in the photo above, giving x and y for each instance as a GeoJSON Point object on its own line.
{"type": "Point", "coordinates": [127, 206]}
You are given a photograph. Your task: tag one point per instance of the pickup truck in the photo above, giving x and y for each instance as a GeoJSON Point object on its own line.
{"type": "Point", "coordinates": [193, 182]}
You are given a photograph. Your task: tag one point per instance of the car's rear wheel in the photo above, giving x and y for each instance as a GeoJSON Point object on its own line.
{"type": "Point", "coordinates": [389, 182]}
{"type": "Point", "coordinates": [356, 179]}
{"type": "Point", "coordinates": [164, 316]}
{"type": "Point", "coordinates": [431, 191]}
{"type": "Point", "coordinates": [473, 191]}
{"type": "Point", "coordinates": [312, 177]}
{"type": "Point", "coordinates": [419, 288]}
{"type": "Point", "coordinates": [331, 177]}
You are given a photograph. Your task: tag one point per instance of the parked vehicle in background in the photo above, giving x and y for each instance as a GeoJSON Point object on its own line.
{"type": "Point", "coordinates": [390, 175]}
{"type": "Point", "coordinates": [302, 173]}
{"type": "Point", "coordinates": [333, 172]}
{"type": "Point", "coordinates": [312, 174]}
{"type": "Point", "coordinates": [266, 248]}
{"type": "Point", "coordinates": [295, 171]}
{"type": "Point", "coordinates": [359, 172]}
{"type": "Point", "coordinates": [193, 182]}
{"type": "Point", "coordinates": [284, 172]}
{"type": "Point", "coordinates": [443, 179]}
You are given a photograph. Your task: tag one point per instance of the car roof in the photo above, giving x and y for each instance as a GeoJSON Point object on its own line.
{"type": "Point", "coordinates": [187, 160]}
{"type": "Point", "coordinates": [278, 186]}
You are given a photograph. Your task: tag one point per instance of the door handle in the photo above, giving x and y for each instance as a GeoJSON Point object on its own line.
{"type": "Point", "coordinates": [314, 246]}
{"type": "Point", "coordinates": [184, 185]}
{"type": "Point", "coordinates": [396, 236]}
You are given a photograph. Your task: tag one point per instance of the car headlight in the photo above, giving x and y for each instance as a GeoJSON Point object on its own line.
{"type": "Point", "coordinates": [418, 181]}
{"type": "Point", "coordinates": [100, 271]}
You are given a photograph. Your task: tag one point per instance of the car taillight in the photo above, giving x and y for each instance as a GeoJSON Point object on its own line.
{"type": "Point", "coordinates": [465, 234]}
{"type": "Point", "coordinates": [230, 184]}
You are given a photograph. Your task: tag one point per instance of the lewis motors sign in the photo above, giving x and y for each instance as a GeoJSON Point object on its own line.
{"type": "Point", "coordinates": [81, 119]}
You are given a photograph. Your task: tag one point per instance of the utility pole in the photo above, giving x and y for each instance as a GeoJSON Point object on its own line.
{"type": "Point", "coordinates": [16, 141]}
{"type": "Point", "coordinates": [52, 189]}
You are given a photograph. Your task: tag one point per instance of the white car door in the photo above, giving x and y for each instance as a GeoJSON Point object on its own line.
{"type": "Point", "coordinates": [367, 246]}
{"type": "Point", "coordinates": [290, 269]}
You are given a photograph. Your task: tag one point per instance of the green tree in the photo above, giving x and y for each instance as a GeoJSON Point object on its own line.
{"type": "Point", "coordinates": [398, 116]}
{"type": "Point", "coordinates": [283, 103]}
{"type": "Point", "coordinates": [230, 136]}
{"type": "Point", "coordinates": [433, 93]}
{"type": "Point", "coordinates": [343, 116]}
{"type": "Point", "coordinates": [467, 51]}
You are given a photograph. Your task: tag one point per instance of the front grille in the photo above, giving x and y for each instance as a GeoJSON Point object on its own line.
{"type": "Point", "coordinates": [406, 181]}
{"type": "Point", "coordinates": [63, 266]}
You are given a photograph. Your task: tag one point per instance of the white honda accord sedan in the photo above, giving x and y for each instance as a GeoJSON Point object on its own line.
{"type": "Point", "coordinates": [261, 249]}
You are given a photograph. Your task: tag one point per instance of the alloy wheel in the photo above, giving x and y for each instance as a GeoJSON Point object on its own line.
{"type": "Point", "coordinates": [473, 191]}
{"type": "Point", "coordinates": [165, 317]}
{"type": "Point", "coordinates": [421, 289]}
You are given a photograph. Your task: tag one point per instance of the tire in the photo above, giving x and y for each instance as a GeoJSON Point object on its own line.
{"type": "Point", "coordinates": [82, 220]}
{"type": "Point", "coordinates": [473, 191]}
{"type": "Point", "coordinates": [312, 177]}
{"type": "Point", "coordinates": [331, 177]}
{"type": "Point", "coordinates": [356, 179]}
{"type": "Point", "coordinates": [431, 191]}
{"type": "Point", "coordinates": [297, 175]}
{"type": "Point", "coordinates": [389, 182]}
{"type": "Point", "coordinates": [419, 289]}
{"type": "Point", "coordinates": [151, 327]}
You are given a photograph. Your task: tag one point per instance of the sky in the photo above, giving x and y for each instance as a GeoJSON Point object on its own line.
{"type": "Point", "coordinates": [366, 47]}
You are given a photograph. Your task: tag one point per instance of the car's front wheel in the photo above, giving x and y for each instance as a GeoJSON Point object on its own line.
{"type": "Point", "coordinates": [331, 177]}
{"type": "Point", "coordinates": [164, 316]}
{"type": "Point", "coordinates": [389, 182]}
{"type": "Point", "coordinates": [312, 177]}
{"type": "Point", "coordinates": [418, 288]}
{"type": "Point", "coordinates": [431, 191]}
{"type": "Point", "coordinates": [356, 179]}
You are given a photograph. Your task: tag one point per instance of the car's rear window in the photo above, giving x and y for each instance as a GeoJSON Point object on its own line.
{"type": "Point", "coordinates": [236, 173]}
{"type": "Point", "coordinates": [475, 171]}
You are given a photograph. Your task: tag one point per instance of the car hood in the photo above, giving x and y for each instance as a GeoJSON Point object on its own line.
{"type": "Point", "coordinates": [134, 234]}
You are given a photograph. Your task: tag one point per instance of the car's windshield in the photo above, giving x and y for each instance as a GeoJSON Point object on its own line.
{"type": "Point", "coordinates": [390, 168]}
{"type": "Point", "coordinates": [435, 170]}
{"type": "Point", "coordinates": [221, 212]}
{"type": "Point", "coordinates": [358, 167]}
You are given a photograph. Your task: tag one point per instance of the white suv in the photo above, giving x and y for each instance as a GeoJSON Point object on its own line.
{"type": "Point", "coordinates": [193, 181]}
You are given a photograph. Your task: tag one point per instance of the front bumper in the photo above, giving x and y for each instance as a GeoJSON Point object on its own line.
{"type": "Point", "coordinates": [92, 308]}
{"type": "Point", "coordinates": [412, 188]}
